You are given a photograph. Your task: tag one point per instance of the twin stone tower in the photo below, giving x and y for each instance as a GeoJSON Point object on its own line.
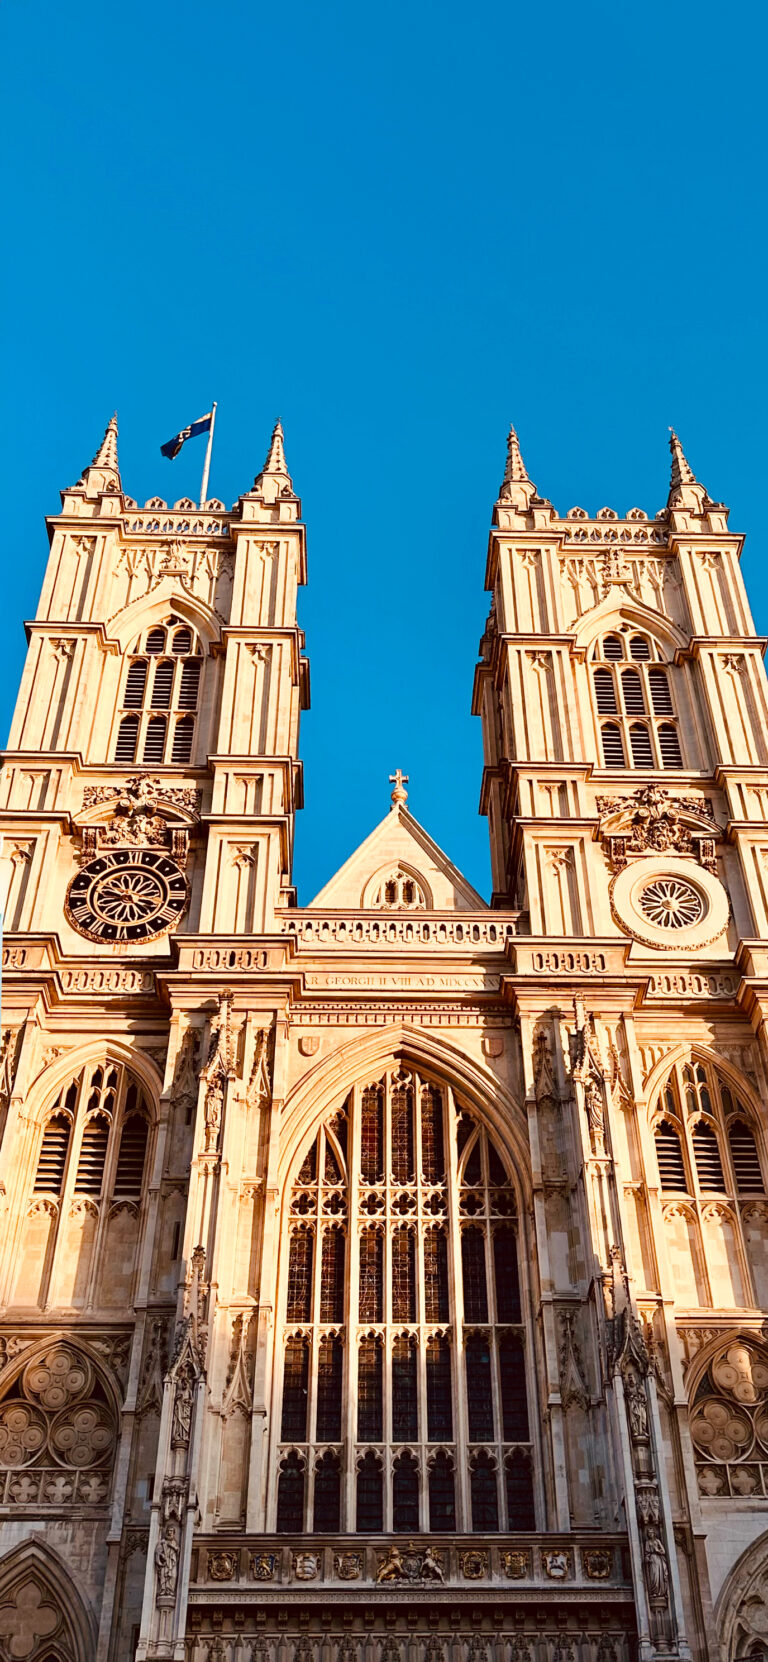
{"type": "Point", "coordinates": [384, 1279]}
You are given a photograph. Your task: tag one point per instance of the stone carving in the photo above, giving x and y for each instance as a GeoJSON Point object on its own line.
{"type": "Point", "coordinates": [219, 1068]}
{"type": "Point", "coordinates": [184, 1089]}
{"type": "Point", "coordinates": [410, 1564]}
{"type": "Point", "coordinates": [306, 1565]}
{"type": "Point", "coordinates": [651, 821]}
{"type": "Point", "coordinates": [238, 1392]}
{"type": "Point", "coordinates": [149, 1399]}
{"type": "Point", "coordinates": [556, 1564]}
{"type": "Point", "coordinates": [28, 1618]}
{"type": "Point", "coordinates": [516, 1565]}
{"type": "Point", "coordinates": [587, 1071]}
{"type": "Point", "coordinates": [598, 1563]}
{"type": "Point", "coordinates": [223, 1566]}
{"type": "Point", "coordinates": [637, 1406]}
{"type": "Point", "coordinates": [573, 1389]}
{"type": "Point", "coordinates": [167, 1563]}
{"type": "Point", "coordinates": [56, 1413]}
{"type": "Point", "coordinates": [259, 1091]}
{"type": "Point", "coordinates": [137, 819]}
{"type": "Point", "coordinates": [174, 1499]}
{"type": "Point", "coordinates": [263, 1566]}
{"type": "Point", "coordinates": [474, 1564]}
{"type": "Point", "coordinates": [182, 1407]}
{"type": "Point", "coordinates": [348, 1566]}
{"type": "Point", "coordinates": [544, 1082]}
{"type": "Point", "coordinates": [729, 1424]}
{"type": "Point", "coordinates": [8, 1046]}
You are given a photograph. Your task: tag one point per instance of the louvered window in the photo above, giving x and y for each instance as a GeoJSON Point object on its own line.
{"type": "Point", "coordinates": [155, 642]}
{"type": "Point", "coordinates": [135, 683]}
{"type": "Point", "coordinates": [52, 1160]}
{"type": "Point", "coordinates": [127, 738]}
{"type": "Point", "coordinates": [129, 1175]}
{"type": "Point", "coordinates": [613, 746]}
{"type": "Point", "coordinates": [632, 688]}
{"type": "Point", "coordinates": [154, 741]}
{"type": "Point", "coordinates": [669, 745]}
{"type": "Point", "coordinates": [640, 742]}
{"type": "Point", "coordinates": [639, 647]}
{"type": "Point", "coordinates": [162, 685]}
{"type": "Point", "coordinates": [707, 1156]}
{"type": "Point", "coordinates": [612, 648]}
{"type": "Point", "coordinates": [605, 693]}
{"type": "Point", "coordinates": [190, 684]}
{"type": "Point", "coordinates": [670, 1157]}
{"type": "Point", "coordinates": [183, 736]}
{"type": "Point", "coordinates": [661, 697]}
{"type": "Point", "coordinates": [93, 1154]}
{"type": "Point", "coordinates": [746, 1162]}
{"type": "Point", "coordinates": [182, 641]}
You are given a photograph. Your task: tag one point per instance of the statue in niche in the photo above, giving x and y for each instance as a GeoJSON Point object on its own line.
{"type": "Point", "coordinates": [637, 1408]}
{"type": "Point", "coordinates": [182, 1411]}
{"type": "Point", "coordinates": [656, 1567]}
{"type": "Point", "coordinates": [167, 1562]}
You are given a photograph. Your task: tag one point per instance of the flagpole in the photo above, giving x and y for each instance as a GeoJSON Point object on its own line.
{"type": "Point", "coordinates": [207, 462]}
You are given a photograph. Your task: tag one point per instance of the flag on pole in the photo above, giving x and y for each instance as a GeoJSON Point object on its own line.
{"type": "Point", "coordinates": [202, 425]}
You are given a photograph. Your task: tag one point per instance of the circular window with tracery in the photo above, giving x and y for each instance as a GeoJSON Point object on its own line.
{"type": "Point", "coordinates": [671, 903]}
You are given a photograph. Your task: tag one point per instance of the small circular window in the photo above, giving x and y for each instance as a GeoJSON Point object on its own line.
{"type": "Point", "coordinates": [670, 903]}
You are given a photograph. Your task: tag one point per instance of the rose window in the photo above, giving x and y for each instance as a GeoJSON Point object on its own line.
{"type": "Point", "coordinates": [56, 1415]}
{"type": "Point", "coordinates": [671, 903]}
{"type": "Point", "coordinates": [729, 1425]}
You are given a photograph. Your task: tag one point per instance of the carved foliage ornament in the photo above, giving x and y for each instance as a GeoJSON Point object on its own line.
{"type": "Point", "coordinates": [651, 821]}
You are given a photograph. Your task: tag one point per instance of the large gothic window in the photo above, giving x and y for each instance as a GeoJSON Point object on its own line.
{"type": "Point", "coordinates": [403, 1347]}
{"type": "Point", "coordinates": [631, 685]}
{"type": "Point", "coordinates": [89, 1168]}
{"type": "Point", "coordinates": [161, 691]}
{"type": "Point", "coordinates": [713, 1189]}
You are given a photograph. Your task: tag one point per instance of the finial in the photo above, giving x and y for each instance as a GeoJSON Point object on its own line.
{"type": "Point", "coordinates": [105, 461]}
{"type": "Point", "coordinates": [517, 487]}
{"type": "Point", "coordinates": [515, 468]}
{"type": "Point", "coordinates": [398, 779]}
{"type": "Point", "coordinates": [684, 489]}
{"type": "Point", "coordinates": [275, 462]}
{"type": "Point", "coordinates": [682, 473]}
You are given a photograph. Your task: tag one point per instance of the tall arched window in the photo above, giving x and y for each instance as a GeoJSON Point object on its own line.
{"type": "Point", "coordinates": [403, 1345]}
{"type": "Point", "coordinates": [162, 675]}
{"type": "Point", "coordinates": [82, 1222]}
{"type": "Point", "coordinates": [629, 682]}
{"type": "Point", "coordinates": [712, 1180]}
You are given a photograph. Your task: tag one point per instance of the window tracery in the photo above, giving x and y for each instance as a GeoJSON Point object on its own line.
{"type": "Point", "coordinates": [160, 696]}
{"type": "Point", "coordinates": [709, 1160]}
{"type": "Point", "coordinates": [630, 681]}
{"type": "Point", "coordinates": [90, 1166]}
{"type": "Point", "coordinates": [393, 1360]}
{"type": "Point", "coordinates": [57, 1432]}
{"type": "Point", "coordinates": [729, 1424]}
{"type": "Point", "coordinates": [399, 891]}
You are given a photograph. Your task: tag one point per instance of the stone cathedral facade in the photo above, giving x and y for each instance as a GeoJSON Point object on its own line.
{"type": "Point", "coordinates": [384, 1279]}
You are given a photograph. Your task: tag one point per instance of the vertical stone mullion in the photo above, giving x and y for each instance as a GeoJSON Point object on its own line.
{"type": "Point", "coordinates": [456, 1304]}
{"type": "Point", "coordinates": [349, 1427]}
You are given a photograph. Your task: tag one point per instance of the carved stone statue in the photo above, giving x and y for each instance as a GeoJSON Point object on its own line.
{"type": "Point", "coordinates": [656, 1567]}
{"type": "Point", "coordinates": [214, 1100]}
{"type": "Point", "coordinates": [637, 1408]}
{"type": "Point", "coordinates": [593, 1103]}
{"type": "Point", "coordinates": [392, 1567]}
{"type": "Point", "coordinates": [167, 1562]}
{"type": "Point", "coordinates": [431, 1569]}
{"type": "Point", "coordinates": [182, 1411]}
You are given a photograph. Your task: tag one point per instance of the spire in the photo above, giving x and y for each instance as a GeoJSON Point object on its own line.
{"type": "Point", "coordinates": [684, 488]}
{"type": "Point", "coordinates": [517, 486]}
{"type": "Point", "coordinates": [274, 480]}
{"type": "Point", "coordinates": [275, 462]}
{"type": "Point", "coordinates": [515, 468]}
{"type": "Point", "coordinates": [103, 473]}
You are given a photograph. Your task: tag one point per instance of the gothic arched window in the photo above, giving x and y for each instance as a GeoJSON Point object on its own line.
{"type": "Point", "coordinates": [728, 1418]}
{"type": "Point", "coordinates": [163, 674]}
{"type": "Point", "coordinates": [712, 1180]}
{"type": "Point", "coordinates": [82, 1223]}
{"type": "Point", "coordinates": [628, 681]}
{"type": "Point", "coordinates": [403, 1346]}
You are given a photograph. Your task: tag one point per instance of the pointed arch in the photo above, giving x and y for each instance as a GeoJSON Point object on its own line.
{"type": "Point", "coordinates": [11, 1373]}
{"type": "Point", "coordinates": [39, 1588]}
{"type": "Point", "coordinates": [741, 1611]}
{"type": "Point", "coordinates": [140, 615]}
{"type": "Point", "coordinates": [608, 615]}
{"type": "Point", "coordinates": [328, 1082]}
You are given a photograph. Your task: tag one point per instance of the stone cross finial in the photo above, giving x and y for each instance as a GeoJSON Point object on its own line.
{"type": "Point", "coordinates": [398, 779]}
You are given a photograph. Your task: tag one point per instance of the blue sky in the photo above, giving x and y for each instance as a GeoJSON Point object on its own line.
{"type": "Point", "coordinates": [397, 228]}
